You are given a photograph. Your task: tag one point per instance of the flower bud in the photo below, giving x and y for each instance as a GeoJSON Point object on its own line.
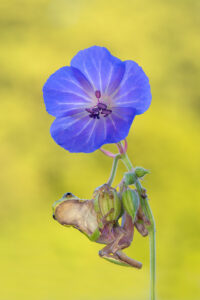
{"type": "Point", "coordinates": [130, 178]}
{"type": "Point", "coordinates": [107, 203]}
{"type": "Point", "coordinates": [140, 172]}
{"type": "Point", "coordinates": [130, 202]}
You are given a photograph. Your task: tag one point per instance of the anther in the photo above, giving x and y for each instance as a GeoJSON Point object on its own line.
{"type": "Point", "coordinates": [106, 112]}
{"type": "Point", "coordinates": [95, 110]}
{"type": "Point", "coordinates": [101, 105]}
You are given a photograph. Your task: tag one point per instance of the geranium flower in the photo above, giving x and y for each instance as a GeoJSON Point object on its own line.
{"type": "Point", "coordinates": [95, 99]}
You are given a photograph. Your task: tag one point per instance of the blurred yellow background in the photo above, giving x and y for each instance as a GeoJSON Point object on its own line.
{"type": "Point", "coordinates": [41, 260]}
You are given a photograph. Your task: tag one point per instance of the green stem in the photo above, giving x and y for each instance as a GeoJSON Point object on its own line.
{"type": "Point", "coordinates": [114, 169]}
{"type": "Point", "coordinates": [152, 231]}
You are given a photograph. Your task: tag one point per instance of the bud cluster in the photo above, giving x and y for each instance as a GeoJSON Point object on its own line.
{"type": "Point", "coordinates": [131, 177]}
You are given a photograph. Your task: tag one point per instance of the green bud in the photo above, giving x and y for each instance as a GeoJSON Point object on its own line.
{"type": "Point", "coordinates": [130, 202]}
{"type": "Point", "coordinates": [130, 178]}
{"type": "Point", "coordinates": [107, 204]}
{"type": "Point", "coordinates": [140, 172]}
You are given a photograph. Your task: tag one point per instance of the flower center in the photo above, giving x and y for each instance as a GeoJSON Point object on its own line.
{"type": "Point", "coordinates": [100, 109]}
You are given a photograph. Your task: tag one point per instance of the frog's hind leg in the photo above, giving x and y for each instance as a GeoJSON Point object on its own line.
{"type": "Point", "coordinates": [131, 262]}
{"type": "Point", "coordinates": [123, 237]}
{"type": "Point", "coordinates": [113, 253]}
{"type": "Point", "coordinates": [121, 259]}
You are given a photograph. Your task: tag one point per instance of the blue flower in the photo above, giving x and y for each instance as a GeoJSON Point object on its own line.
{"type": "Point", "coordinates": [95, 100]}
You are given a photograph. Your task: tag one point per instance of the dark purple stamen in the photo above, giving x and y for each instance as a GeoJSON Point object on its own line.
{"type": "Point", "coordinates": [106, 112]}
{"type": "Point", "coordinates": [100, 108]}
{"type": "Point", "coordinates": [94, 116]}
{"type": "Point", "coordinates": [102, 105]}
{"type": "Point", "coordinates": [95, 109]}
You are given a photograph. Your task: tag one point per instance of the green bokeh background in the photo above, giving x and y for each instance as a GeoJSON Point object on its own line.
{"type": "Point", "coordinates": [41, 260]}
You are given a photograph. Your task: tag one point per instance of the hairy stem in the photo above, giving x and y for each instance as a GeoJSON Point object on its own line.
{"type": "Point", "coordinates": [152, 231]}
{"type": "Point", "coordinates": [114, 169]}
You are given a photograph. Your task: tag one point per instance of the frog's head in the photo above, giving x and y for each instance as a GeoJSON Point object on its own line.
{"type": "Point", "coordinates": [65, 197]}
{"type": "Point", "coordinates": [72, 211]}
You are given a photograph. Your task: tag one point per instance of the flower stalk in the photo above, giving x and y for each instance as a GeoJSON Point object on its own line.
{"type": "Point", "coordinates": [151, 229]}
{"type": "Point", "coordinates": [114, 168]}
{"type": "Point", "coordinates": [144, 204]}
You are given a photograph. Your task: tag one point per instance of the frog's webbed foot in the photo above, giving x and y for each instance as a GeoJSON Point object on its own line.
{"type": "Point", "coordinates": [121, 259]}
{"type": "Point", "coordinates": [141, 229]}
{"type": "Point", "coordinates": [142, 222]}
{"type": "Point", "coordinates": [143, 217]}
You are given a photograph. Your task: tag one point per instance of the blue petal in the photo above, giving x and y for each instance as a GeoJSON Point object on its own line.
{"type": "Point", "coordinates": [118, 124]}
{"type": "Point", "coordinates": [134, 90]}
{"type": "Point", "coordinates": [103, 70]}
{"type": "Point", "coordinates": [80, 133]}
{"type": "Point", "coordinates": [67, 89]}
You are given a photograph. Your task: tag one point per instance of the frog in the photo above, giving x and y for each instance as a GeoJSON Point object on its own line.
{"type": "Point", "coordinates": [99, 219]}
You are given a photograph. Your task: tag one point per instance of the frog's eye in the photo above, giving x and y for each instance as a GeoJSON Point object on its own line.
{"type": "Point", "coordinates": [67, 195]}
